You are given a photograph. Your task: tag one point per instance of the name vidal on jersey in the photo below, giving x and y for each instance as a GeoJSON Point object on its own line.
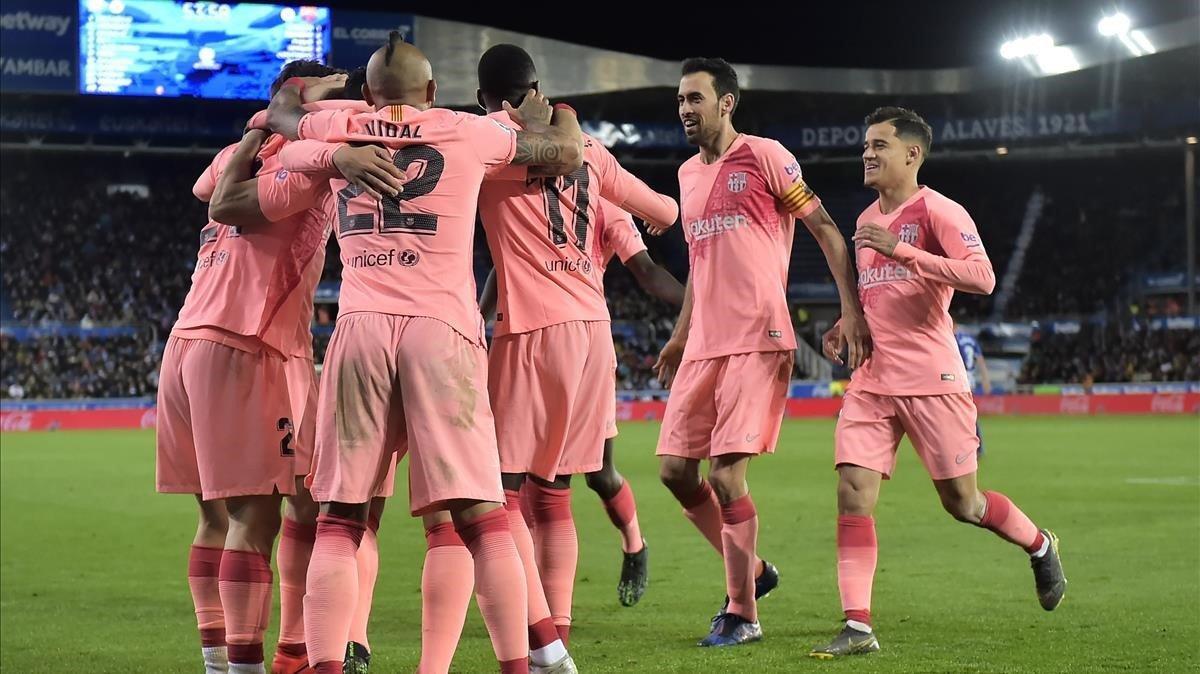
{"type": "Point", "coordinates": [385, 129]}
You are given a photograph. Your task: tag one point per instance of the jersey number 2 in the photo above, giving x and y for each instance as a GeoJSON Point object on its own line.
{"type": "Point", "coordinates": [395, 219]}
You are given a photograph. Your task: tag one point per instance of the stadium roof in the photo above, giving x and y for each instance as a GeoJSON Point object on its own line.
{"type": "Point", "coordinates": [863, 34]}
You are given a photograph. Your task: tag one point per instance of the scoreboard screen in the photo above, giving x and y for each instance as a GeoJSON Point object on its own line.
{"type": "Point", "coordinates": [194, 49]}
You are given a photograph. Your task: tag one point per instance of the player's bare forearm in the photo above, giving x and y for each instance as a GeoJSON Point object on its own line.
{"type": "Point", "coordinates": [684, 322]}
{"type": "Point", "coordinates": [655, 280]}
{"type": "Point", "coordinates": [487, 299]}
{"type": "Point", "coordinates": [235, 198]}
{"type": "Point", "coordinates": [285, 112]}
{"type": "Point", "coordinates": [556, 148]}
{"type": "Point", "coordinates": [837, 256]}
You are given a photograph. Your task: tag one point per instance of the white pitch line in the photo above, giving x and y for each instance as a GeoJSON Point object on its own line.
{"type": "Point", "coordinates": [1178, 481]}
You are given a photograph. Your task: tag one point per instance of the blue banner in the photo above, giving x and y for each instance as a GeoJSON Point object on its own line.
{"type": "Point", "coordinates": [38, 45]}
{"type": "Point", "coordinates": [24, 332]}
{"type": "Point", "coordinates": [356, 34]}
{"type": "Point", "coordinates": [75, 404]}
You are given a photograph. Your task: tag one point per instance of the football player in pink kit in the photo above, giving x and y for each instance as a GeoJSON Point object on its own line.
{"type": "Point", "coordinates": [729, 361]}
{"type": "Point", "coordinates": [915, 247]}
{"type": "Point", "coordinates": [616, 236]}
{"type": "Point", "coordinates": [406, 366]}
{"type": "Point", "coordinates": [551, 363]}
{"type": "Point", "coordinates": [229, 439]}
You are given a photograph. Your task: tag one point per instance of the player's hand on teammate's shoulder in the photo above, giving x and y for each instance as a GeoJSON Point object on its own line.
{"type": "Point", "coordinates": [370, 167]}
{"type": "Point", "coordinates": [871, 235]}
{"type": "Point", "coordinates": [319, 88]}
{"type": "Point", "coordinates": [668, 362]}
{"type": "Point", "coordinates": [534, 109]}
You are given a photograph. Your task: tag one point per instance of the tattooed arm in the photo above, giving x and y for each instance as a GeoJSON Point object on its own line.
{"type": "Point", "coordinates": [549, 149]}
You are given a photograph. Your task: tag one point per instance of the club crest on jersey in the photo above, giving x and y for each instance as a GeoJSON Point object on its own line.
{"type": "Point", "coordinates": [737, 181]}
{"type": "Point", "coordinates": [908, 233]}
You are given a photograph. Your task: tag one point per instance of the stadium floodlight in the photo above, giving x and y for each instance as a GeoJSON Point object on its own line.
{"type": "Point", "coordinates": [1026, 46]}
{"type": "Point", "coordinates": [1120, 26]}
{"type": "Point", "coordinates": [1057, 60]}
{"type": "Point", "coordinates": [1190, 140]}
{"type": "Point", "coordinates": [1115, 24]}
{"type": "Point", "coordinates": [1001, 150]}
{"type": "Point", "coordinates": [1140, 39]}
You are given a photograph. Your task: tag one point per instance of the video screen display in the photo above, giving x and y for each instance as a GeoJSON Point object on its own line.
{"type": "Point", "coordinates": [194, 49]}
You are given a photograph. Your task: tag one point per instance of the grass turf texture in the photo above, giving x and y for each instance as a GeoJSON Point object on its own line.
{"type": "Point", "coordinates": [92, 562]}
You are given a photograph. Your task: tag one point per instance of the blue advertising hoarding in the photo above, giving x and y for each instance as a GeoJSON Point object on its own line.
{"type": "Point", "coordinates": [38, 45]}
{"type": "Point", "coordinates": [356, 34]}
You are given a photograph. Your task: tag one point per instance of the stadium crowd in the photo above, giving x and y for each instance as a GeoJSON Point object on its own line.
{"type": "Point", "coordinates": [121, 249]}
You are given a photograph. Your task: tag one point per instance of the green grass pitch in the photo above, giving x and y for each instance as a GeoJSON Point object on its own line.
{"type": "Point", "coordinates": [92, 561]}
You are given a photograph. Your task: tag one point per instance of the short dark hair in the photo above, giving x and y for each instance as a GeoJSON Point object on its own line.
{"type": "Point", "coordinates": [725, 79]}
{"type": "Point", "coordinates": [506, 72]}
{"type": "Point", "coordinates": [908, 124]}
{"type": "Point", "coordinates": [355, 80]}
{"type": "Point", "coordinates": [301, 68]}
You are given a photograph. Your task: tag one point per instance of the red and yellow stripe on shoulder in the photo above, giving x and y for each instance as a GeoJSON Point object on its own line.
{"type": "Point", "coordinates": [396, 112]}
{"type": "Point", "coordinates": [798, 197]}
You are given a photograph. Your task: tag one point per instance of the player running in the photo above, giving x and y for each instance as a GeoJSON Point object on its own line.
{"type": "Point", "coordinates": [915, 247]}
{"type": "Point", "coordinates": [405, 368]}
{"type": "Point", "coordinates": [551, 363]}
{"type": "Point", "coordinates": [729, 360]}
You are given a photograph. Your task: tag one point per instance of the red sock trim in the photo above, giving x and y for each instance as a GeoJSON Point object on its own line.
{"type": "Point", "coordinates": [622, 507]}
{"type": "Point", "coordinates": [494, 521]}
{"type": "Point", "coordinates": [246, 654]}
{"type": "Point", "coordinates": [550, 505]}
{"type": "Point", "coordinates": [442, 535]}
{"type": "Point", "coordinates": [512, 500]}
{"type": "Point", "coordinates": [702, 494]}
{"type": "Point", "coordinates": [212, 637]}
{"type": "Point", "coordinates": [373, 520]}
{"type": "Point", "coordinates": [291, 650]}
{"type": "Point", "coordinates": [998, 507]}
{"type": "Point", "coordinates": [306, 533]}
{"type": "Point", "coordinates": [542, 634]}
{"type": "Point", "coordinates": [861, 615]}
{"type": "Point", "coordinates": [518, 666]}
{"type": "Point", "coordinates": [1038, 541]}
{"type": "Point", "coordinates": [332, 525]}
{"type": "Point", "coordinates": [204, 562]}
{"type": "Point", "coordinates": [331, 667]}
{"type": "Point", "coordinates": [856, 531]}
{"type": "Point", "coordinates": [242, 566]}
{"type": "Point", "coordinates": [564, 634]}
{"type": "Point", "coordinates": [738, 510]}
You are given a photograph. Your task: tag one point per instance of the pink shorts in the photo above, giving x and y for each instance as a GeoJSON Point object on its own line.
{"type": "Point", "coordinates": [224, 424]}
{"type": "Point", "coordinates": [302, 394]}
{"type": "Point", "coordinates": [941, 427]}
{"type": "Point", "coordinates": [393, 385]}
{"type": "Point", "coordinates": [726, 405]}
{"type": "Point", "coordinates": [553, 391]}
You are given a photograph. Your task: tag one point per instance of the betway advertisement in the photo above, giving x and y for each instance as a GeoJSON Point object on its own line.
{"type": "Point", "coordinates": [38, 45]}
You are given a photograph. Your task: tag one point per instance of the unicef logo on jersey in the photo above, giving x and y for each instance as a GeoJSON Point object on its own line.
{"type": "Point", "coordinates": [908, 234]}
{"type": "Point", "coordinates": [737, 181]}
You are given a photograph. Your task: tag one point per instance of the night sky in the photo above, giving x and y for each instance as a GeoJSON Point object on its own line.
{"type": "Point", "coordinates": [899, 34]}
